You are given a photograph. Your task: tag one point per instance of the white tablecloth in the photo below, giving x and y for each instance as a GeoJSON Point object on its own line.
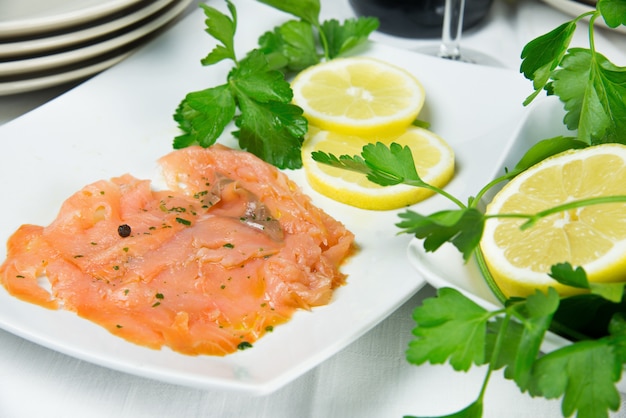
{"type": "Point", "coordinates": [369, 378]}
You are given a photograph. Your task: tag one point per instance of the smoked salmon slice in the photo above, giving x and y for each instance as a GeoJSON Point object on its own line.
{"type": "Point", "coordinates": [230, 249]}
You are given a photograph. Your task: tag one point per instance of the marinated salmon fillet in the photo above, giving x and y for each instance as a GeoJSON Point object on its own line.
{"type": "Point", "coordinates": [230, 249]}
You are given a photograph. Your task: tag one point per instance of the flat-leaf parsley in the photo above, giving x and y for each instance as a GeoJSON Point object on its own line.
{"type": "Point", "coordinates": [256, 94]}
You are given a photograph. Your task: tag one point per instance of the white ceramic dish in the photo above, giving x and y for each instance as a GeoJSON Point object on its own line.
{"type": "Point", "coordinates": [121, 121]}
{"type": "Point", "coordinates": [21, 49]}
{"type": "Point", "coordinates": [30, 17]}
{"type": "Point", "coordinates": [39, 83]}
{"type": "Point", "coordinates": [54, 61]}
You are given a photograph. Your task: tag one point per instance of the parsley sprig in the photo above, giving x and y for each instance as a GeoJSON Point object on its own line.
{"type": "Point", "coordinates": [591, 87]}
{"type": "Point", "coordinates": [452, 328]}
{"type": "Point", "coordinates": [256, 94]}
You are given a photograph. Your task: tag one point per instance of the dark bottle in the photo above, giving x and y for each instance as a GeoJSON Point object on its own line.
{"type": "Point", "coordinates": [417, 18]}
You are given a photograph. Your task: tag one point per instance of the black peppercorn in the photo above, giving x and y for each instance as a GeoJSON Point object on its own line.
{"type": "Point", "coordinates": [123, 230]}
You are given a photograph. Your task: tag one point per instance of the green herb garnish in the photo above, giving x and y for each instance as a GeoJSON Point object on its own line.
{"type": "Point", "coordinates": [592, 88]}
{"type": "Point", "coordinates": [183, 221]}
{"type": "Point", "coordinates": [244, 345]}
{"type": "Point", "coordinates": [452, 328]}
{"type": "Point", "coordinates": [256, 95]}
{"type": "Point", "coordinates": [463, 227]}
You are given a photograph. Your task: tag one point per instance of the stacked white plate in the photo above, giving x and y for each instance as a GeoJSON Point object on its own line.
{"type": "Point", "coordinates": [44, 43]}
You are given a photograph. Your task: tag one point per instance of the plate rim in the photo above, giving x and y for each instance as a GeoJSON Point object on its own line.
{"type": "Point", "coordinates": [51, 80]}
{"type": "Point", "coordinates": [55, 61]}
{"type": "Point", "coordinates": [61, 20]}
{"type": "Point", "coordinates": [50, 43]}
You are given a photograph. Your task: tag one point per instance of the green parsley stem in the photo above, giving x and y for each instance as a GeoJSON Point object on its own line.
{"type": "Point", "coordinates": [592, 45]}
{"type": "Point", "coordinates": [424, 185]}
{"type": "Point", "coordinates": [573, 205]}
{"type": "Point", "coordinates": [488, 186]}
{"type": "Point", "coordinates": [324, 41]}
{"type": "Point", "coordinates": [482, 266]}
{"type": "Point", "coordinates": [591, 14]}
{"type": "Point", "coordinates": [533, 218]}
{"type": "Point", "coordinates": [494, 354]}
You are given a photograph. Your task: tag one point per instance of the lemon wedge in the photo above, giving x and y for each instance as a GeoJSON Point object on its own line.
{"type": "Point", "coordinates": [434, 162]}
{"type": "Point", "coordinates": [593, 237]}
{"type": "Point", "coordinates": [358, 96]}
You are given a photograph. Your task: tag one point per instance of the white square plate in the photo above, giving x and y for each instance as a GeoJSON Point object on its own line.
{"type": "Point", "coordinates": [121, 121]}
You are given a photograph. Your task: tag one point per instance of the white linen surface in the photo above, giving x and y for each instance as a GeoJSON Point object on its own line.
{"type": "Point", "coordinates": [369, 378]}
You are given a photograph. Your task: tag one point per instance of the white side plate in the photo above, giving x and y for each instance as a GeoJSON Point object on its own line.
{"type": "Point", "coordinates": [31, 17]}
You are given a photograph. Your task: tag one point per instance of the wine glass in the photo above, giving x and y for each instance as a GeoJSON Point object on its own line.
{"type": "Point", "coordinates": [450, 45]}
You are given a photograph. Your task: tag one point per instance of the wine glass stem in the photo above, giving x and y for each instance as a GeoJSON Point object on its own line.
{"type": "Point", "coordinates": [452, 29]}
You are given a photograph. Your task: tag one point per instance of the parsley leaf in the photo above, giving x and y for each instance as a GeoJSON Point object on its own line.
{"type": "Point", "coordinates": [544, 149]}
{"type": "Point", "coordinates": [264, 98]}
{"type": "Point", "coordinates": [542, 55]}
{"type": "Point", "coordinates": [335, 37]}
{"type": "Point", "coordinates": [281, 121]}
{"type": "Point", "coordinates": [383, 165]}
{"type": "Point", "coordinates": [203, 115]}
{"type": "Point", "coordinates": [535, 314]}
{"type": "Point", "coordinates": [256, 95]}
{"type": "Point", "coordinates": [351, 34]}
{"type": "Point", "coordinates": [347, 162]}
{"type": "Point", "coordinates": [449, 327]}
{"type": "Point", "coordinates": [463, 228]}
{"type": "Point", "coordinates": [564, 273]}
{"type": "Point", "coordinates": [222, 28]}
{"type": "Point", "coordinates": [290, 47]}
{"type": "Point", "coordinates": [452, 328]}
{"type": "Point", "coordinates": [584, 374]}
{"type": "Point", "coordinates": [393, 164]}
{"type": "Point", "coordinates": [613, 12]}
{"type": "Point", "coordinates": [307, 10]}
{"type": "Point", "coordinates": [593, 91]}
{"type": "Point", "coordinates": [590, 86]}
{"type": "Point", "coordinates": [253, 78]}
{"type": "Point", "coordinates": [269, 125]}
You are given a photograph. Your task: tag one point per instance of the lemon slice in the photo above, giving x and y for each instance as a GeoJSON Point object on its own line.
{"type": "Point", "coordinates": [358, 96]}
{"type": "Point", "coordinates": [434, 162]}
{"type": "Point", "coordinates": [593, 237]}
